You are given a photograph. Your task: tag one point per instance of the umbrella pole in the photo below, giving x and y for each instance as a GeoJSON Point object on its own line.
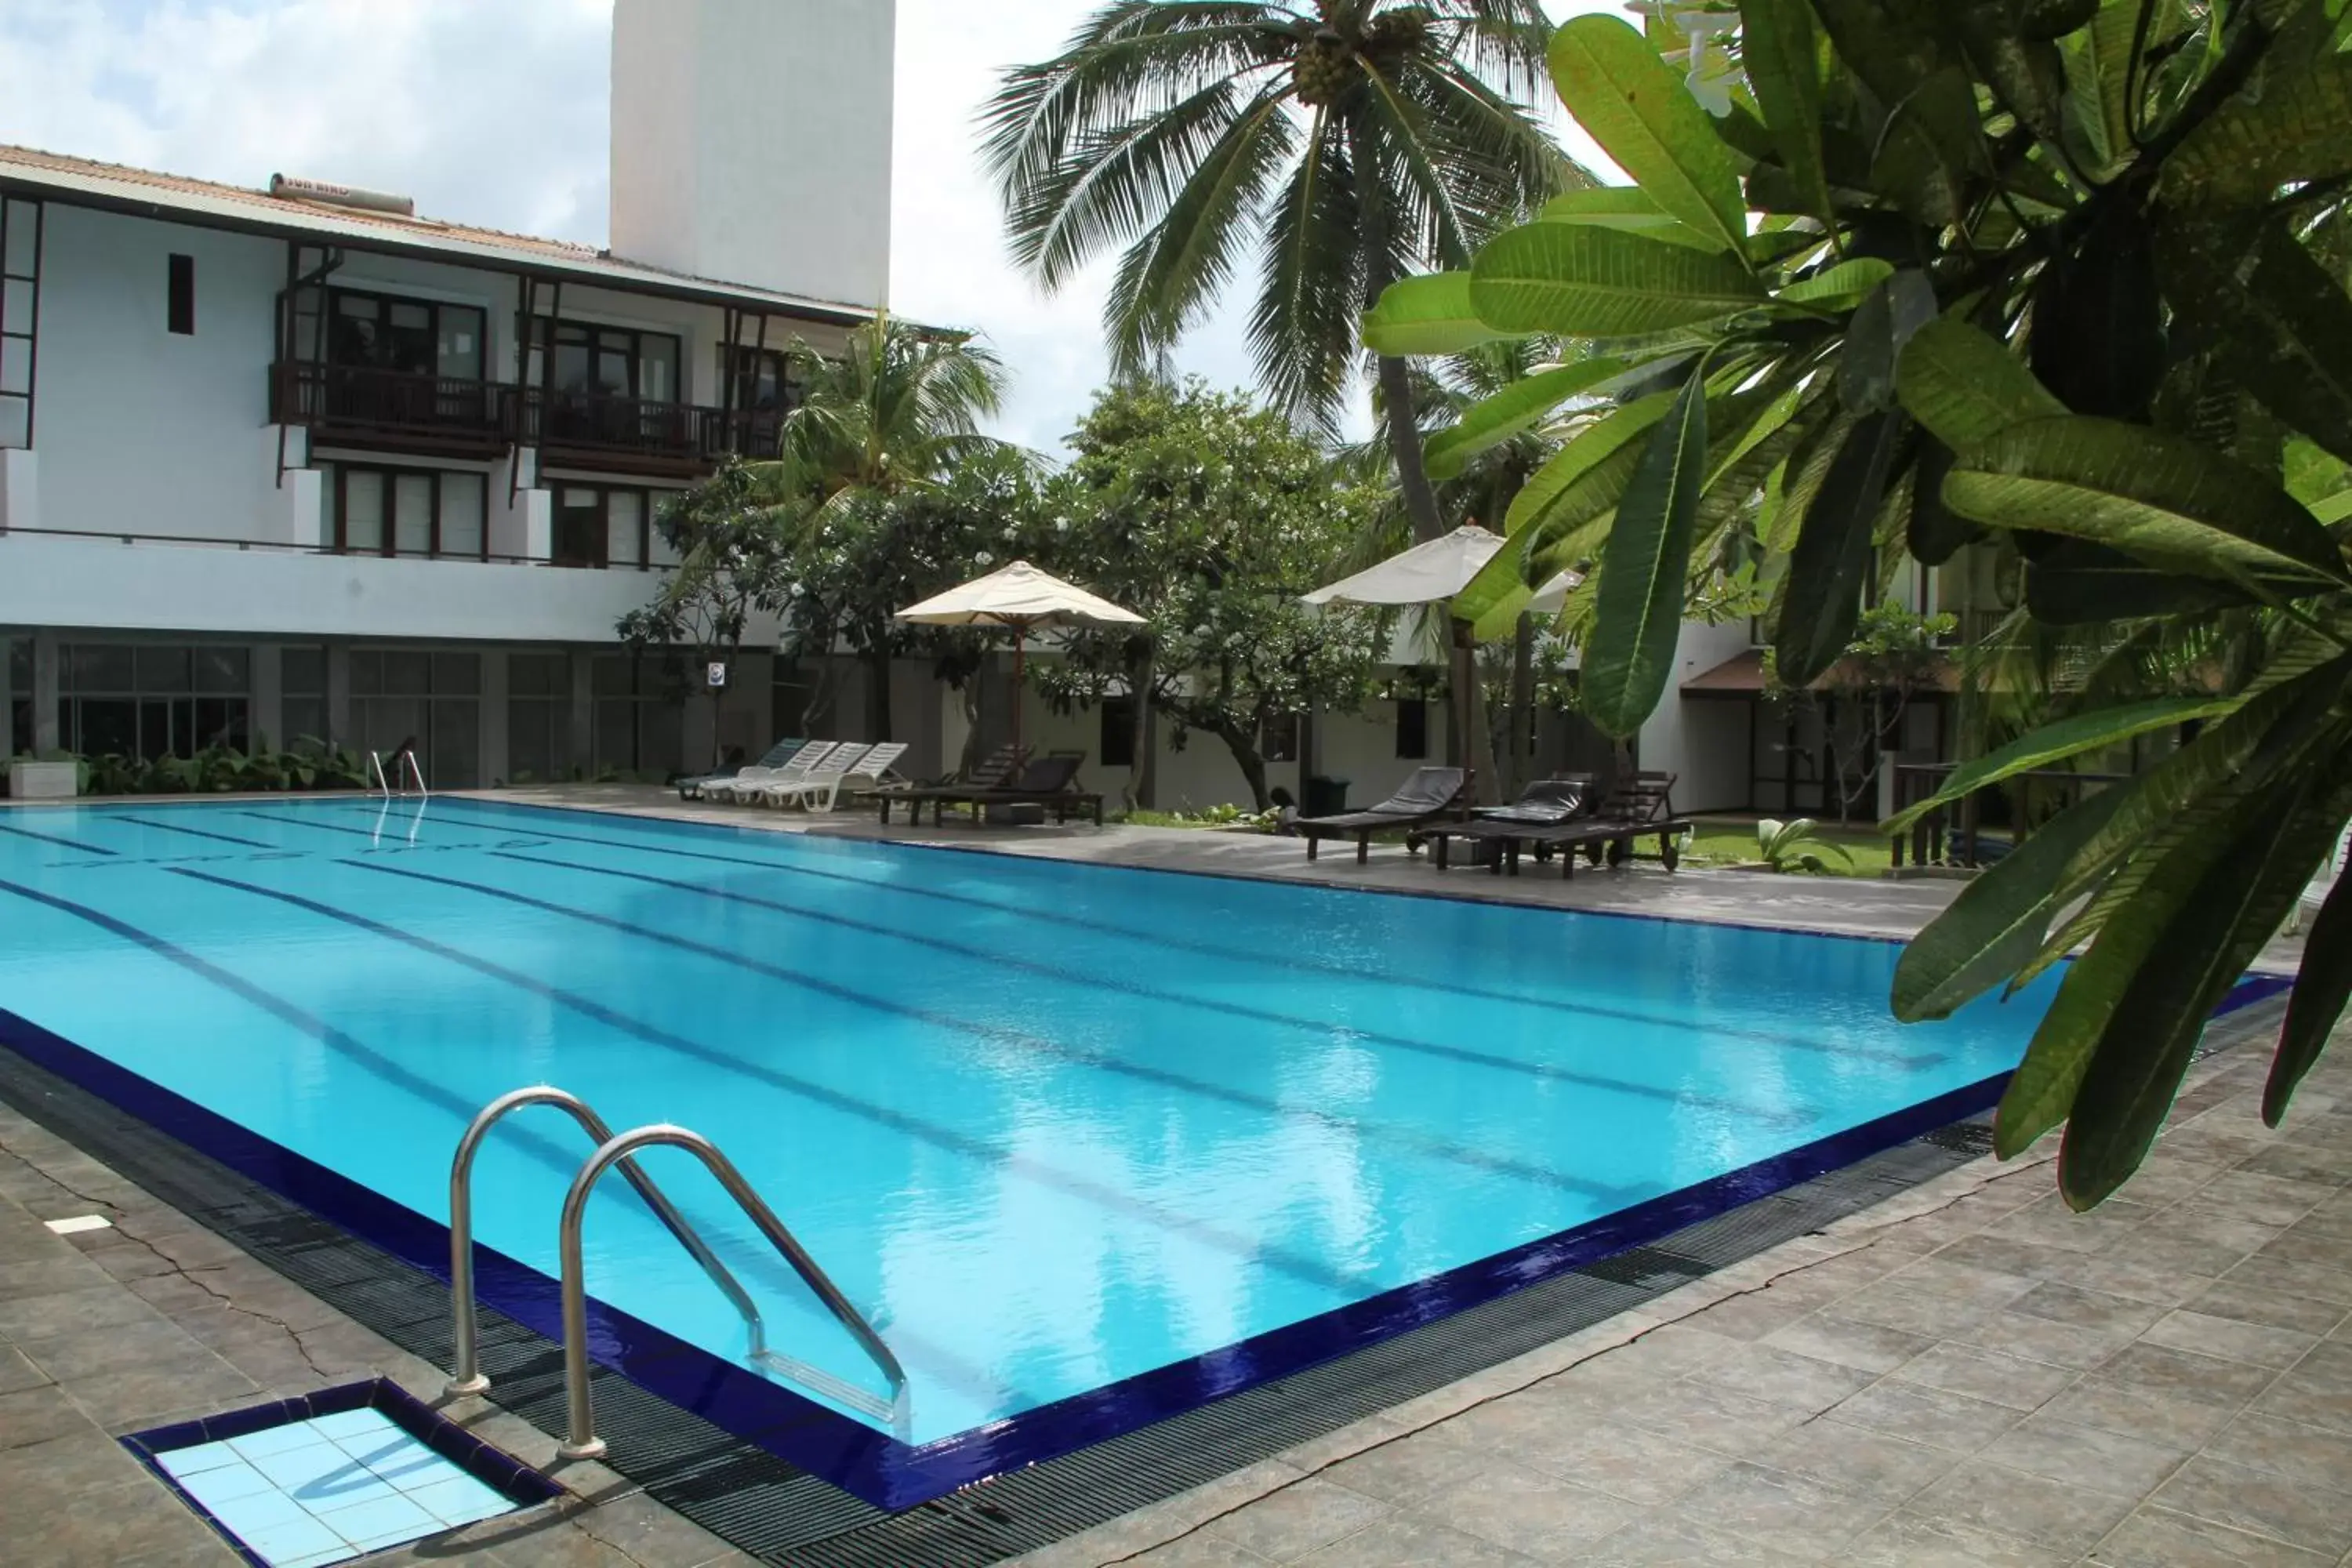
{"type": "Point", "coordinates": [1020, 656]}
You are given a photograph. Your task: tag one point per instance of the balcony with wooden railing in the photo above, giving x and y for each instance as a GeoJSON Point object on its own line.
{"type": "Point", "coordinates": [638, 435]}
{"type": "Point", "coordinates": [390, 410]}
{"type": "Point", "coordinates": [400, 411]}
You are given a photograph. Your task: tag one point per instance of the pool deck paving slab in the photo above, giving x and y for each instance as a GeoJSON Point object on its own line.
{"type": "Point", "coordinates": [1963, 1374]}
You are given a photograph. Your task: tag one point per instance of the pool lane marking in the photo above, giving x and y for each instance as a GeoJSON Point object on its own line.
{"type": "Point", "coordinates": [561, 1162]}
{"type": "Point", "coordinates": [1175, 998]}
{"type": "Point", "coordinates": [1043, 1045]}
{"type": "Point", "coordinates": [192, 832]}
{"type": "Point", "coordinates": [376, 836]}
{"type": "Point", "coordinates": [53, 839]}
{"type": "Point", "coordinates": [1912, 1062]}
{"type": "Point", "coordinates": [1314, 1270]}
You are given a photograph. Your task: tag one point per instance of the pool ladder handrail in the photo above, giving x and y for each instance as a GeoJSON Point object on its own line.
{"type": "Point", "coordinates": [466, 1376]}
{"type": "Point", "coordinates": [581, 1441]}
{"type": "Point", "coordinates": [409, 768]}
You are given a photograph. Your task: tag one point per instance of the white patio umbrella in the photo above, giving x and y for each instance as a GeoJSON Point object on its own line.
{"type": "Point", "coordinates": [1432, 573]}
{"type": "Point", "coordinates": [1020, 599]}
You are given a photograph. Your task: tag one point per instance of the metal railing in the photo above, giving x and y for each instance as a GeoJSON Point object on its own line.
{"type": "Point", "coordinates": [580, 1440]}
{"type": "Point", "coordinates": [466, 1376]}
{"type": "Point", "coordinates": [405, 763]}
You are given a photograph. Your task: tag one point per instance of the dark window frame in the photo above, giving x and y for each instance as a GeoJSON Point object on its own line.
{"type": "Point", "coordinates": [385, 301]}
{"type": "Point", "coordinates": [180, 295]}
{"type": "Point", "coordinates": [1120, 737]}
{"type": "Point", "coordinates": [339, 502]}
{"type": "Point", "coordinates": [747, 365]}
{"type": "Point", "coordinates": [602, 561]}
{"type": "Point", "coordinates": [1411, 735]}
{"type": "Point", "coordinates": [180, 706]}
{"type": "Point", "coordinates": [547, 336]}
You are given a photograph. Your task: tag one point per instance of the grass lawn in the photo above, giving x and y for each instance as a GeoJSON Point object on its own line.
{"type": "Point", "coordinates": [1731, 841]}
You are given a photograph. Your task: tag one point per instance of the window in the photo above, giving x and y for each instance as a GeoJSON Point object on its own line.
{"type": "Point", "coordinates": [302, 688]}
{"type": "Point", "coordinates": [593, 361]}
{"type": "Point", "coordinates": [432, 701]}
{"type": "Point", "coordinates": [1279, 742]}
{"type": "Point", "coordinates": [180, 295]}
{"type": "Point", "coordinates": [151, 701]}
{"type": "Point", "coordinates": [637, 720]}
{"type": "Point", "coordinates": [406, 511]}
{"type": "Point", "coordinates": [420, 337]}
{"type": "Point", "coordinates": [1412, 727]}
{"type": "Point", "coordinates": [763, 381]}
{"type": "Point", "coordinates": [539, 717]}
{"type": "Point", "coordinates": [1117, 743]}
{"type": "Point", "coordinates": [20, 695]}
{"type": "Point", "coordinates": [605, 525]}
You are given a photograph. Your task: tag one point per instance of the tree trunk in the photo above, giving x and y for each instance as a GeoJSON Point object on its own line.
{"type": "Point", "coordinates": [877, 695]}
{"type": "Point", "coordinates": [1140, 779]}
{"type": "Point", "coordinates": [1253, 765]}
{"type": "Point", "coordinates": [1403, 424]}
{"type": "Point", "coordinates": [1404, 449]}
{"type": "Point", "coordinates": [1523, 705]}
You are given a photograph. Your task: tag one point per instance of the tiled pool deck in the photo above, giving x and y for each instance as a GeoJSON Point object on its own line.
{"type": "Point", "coordinates": [1965, 1374]}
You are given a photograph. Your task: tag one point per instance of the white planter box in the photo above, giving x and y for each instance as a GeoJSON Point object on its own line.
{"type": "Point", "coordinates": [43, 781]}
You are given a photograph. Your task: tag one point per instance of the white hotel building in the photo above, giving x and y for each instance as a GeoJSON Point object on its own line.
{"type": "Point", "coordinates": [295, 461]}
{"type": "Point", "coordinates": [298, 462]}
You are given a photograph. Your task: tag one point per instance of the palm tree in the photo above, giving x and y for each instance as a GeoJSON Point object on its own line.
{"type": "Point", "coordinates": [1350, 142]}
{"type": "Point", "coordinates": [897, 410]}
{"type": "Point", "coordinates": [896, 414]}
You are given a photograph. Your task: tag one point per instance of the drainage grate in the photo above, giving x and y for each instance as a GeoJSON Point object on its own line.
{"type": "Point", "coordinates": [781, 1515]}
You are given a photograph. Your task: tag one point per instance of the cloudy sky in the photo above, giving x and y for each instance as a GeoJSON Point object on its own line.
{"type": "Point", "coordinates": [495, 113]}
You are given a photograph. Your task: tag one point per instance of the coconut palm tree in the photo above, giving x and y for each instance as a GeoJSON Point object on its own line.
{"type": "Point", "coordinates": [895, 414]}
{"type": "Point", "coordinates": [895, 411]}
{"type": "Point", "coordinates": [1349, 143]}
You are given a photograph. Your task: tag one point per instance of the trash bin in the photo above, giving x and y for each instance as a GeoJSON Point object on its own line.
{"type": "Point", "coordinates": [1324, 797]}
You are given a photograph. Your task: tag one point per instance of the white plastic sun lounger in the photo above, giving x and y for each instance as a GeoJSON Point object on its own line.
{"type": "Point", "coordinates": [820, 792]}
{"type": "Point", "coordinates": [823, 780]}
{"type": "Point", "coordinates": [747, 785]}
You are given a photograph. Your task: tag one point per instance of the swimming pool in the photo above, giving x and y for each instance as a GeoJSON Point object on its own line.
{"type": "Point", "coordinates": [1088, 1145]}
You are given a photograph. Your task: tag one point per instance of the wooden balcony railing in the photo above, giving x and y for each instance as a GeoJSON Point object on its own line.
{"type": "Point", "coordinates": [636, 436]}
{"type": "Point", "coordinates": [360, 406]}
{"type": "Point", "coordinates": [398, 411]}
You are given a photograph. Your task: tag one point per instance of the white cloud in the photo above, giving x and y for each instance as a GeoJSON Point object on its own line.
{"type": "Point", "coordinates": [494, 114]}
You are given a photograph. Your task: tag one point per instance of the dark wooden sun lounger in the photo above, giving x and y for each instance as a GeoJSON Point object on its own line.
{"type": "Point", "coordinates": [1428, 794]}
{"type": "Point", "coordinates": [1640, 806]}
{"type": "Point", "coordinates": [994, 771]}
{"type": "Point", "coordinates": [1051, 782]}
{"type": "Point", "coordinates": [1546, 802]}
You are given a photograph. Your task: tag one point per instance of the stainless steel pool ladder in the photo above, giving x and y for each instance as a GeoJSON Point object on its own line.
{"type": "Point", "coordinates": [409, 768]}
{"type": "Point", "coordinates": [581, 1441]}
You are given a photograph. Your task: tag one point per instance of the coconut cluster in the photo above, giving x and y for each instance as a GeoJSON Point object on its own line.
{"type": "Point", "coordinates": [1328, 64]}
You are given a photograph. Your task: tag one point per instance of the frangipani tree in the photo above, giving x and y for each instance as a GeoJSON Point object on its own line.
{"type": "Point", "coordinates": [2067, 274]}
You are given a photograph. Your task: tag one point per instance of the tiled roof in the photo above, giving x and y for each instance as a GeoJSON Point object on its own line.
{"type": "Point", "coordinates": [30, 171]}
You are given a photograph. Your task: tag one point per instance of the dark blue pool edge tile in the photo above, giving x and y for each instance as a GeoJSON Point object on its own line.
{"type": "Point", "coordinates": [501, 1472]}
{"type": "Point", "coordinates": [892, 1475]}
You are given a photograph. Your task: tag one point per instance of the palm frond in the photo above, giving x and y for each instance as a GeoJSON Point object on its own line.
{"type": "Point", "coordinates": [1169, 278]}
{"type": "Point", "coordinates": [1303, 332]}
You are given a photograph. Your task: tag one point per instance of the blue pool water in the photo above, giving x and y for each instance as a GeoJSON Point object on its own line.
{"type": "Point", "coordinates": [1051, 1126]}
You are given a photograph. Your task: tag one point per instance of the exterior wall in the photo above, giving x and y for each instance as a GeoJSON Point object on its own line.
{"type": "Point", "coordinates": [102, 583]}
{"type": "Point", "coordinates": [1703, 739]}
{"type": "Point", "coordinates": [752, 141]}
{"type": "Point", "coordinates": [141, 430]}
